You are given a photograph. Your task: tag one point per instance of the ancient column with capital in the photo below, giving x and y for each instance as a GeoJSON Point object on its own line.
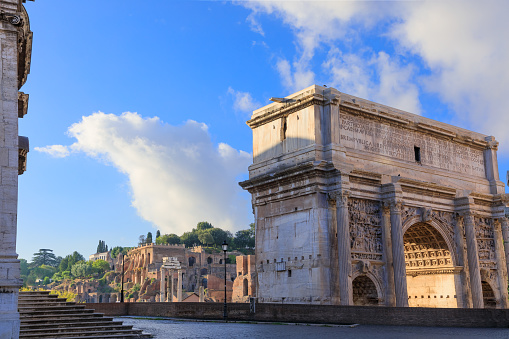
{"type": "Point", "coordinates": [505, 236]}
{"type": "Point", "coordinates": [398, 254]}
{"type": "Point", "coordinates": [179, 286]}
{"type": "Point", "coordinates": [473, 261]}
{"type": "Point", "coordinates": [459, 237]}
{"type": "Point", "coordinates": [501, 263]}
{"type": "Point", "coordinates": [389, 268]}
{"type": "Point", "coordinates": [344, 249]}
{"type": "Point", "coordinates": [162, 287]}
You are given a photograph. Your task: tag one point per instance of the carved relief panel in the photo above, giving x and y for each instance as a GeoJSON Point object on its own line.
{"type": "Point", "coordinates": [365, 229]}
{"type": "Point", "coordinates": [485, 242]}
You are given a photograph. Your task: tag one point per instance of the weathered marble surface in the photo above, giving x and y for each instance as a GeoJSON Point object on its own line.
{"type": "Point", "coordinates": [338, 183]}
{"type": "Point", "coordinates": [15, 51]}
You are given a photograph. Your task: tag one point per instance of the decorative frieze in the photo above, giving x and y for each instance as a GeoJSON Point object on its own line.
{"type": "Point", "coordinates": [485, 242]}
{"type": "Point", "coordinates": [365, 229]}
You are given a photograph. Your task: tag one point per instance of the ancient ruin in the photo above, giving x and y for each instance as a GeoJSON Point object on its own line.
{"type": "Point", "coordinates": [357, 203]}
{"type": "Point", "coordinates": [16, 49]}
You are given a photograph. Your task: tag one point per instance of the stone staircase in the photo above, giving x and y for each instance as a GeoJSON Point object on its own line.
{"type": "Point", "coordinates": [44, 315]}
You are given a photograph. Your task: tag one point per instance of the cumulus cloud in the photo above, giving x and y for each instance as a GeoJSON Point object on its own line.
{"type": "Point", "coordinates": [243, 101]}
{"type": "Point", "coordinates": [464, 45]}
{"type": "Point", "coordinates": [56, 151]}
{"type": "Point", "coordinates": [458, 45]}
{"type": "Point", "coordinates": [177, 176]}
{"type": "Point", "coordinates": [377, 77]}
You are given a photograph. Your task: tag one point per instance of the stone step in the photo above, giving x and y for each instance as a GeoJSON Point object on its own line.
{"type": "Point", "coordinates": [81, 329]}
{"type": "Point", "coordinates": [46, 316]}
{"type": "Point", "coordinates": [61, 317]}
{"type": "Point", "coordinates": [92, 334]}
{"type": "Point", "coordinates": [112, 336]}
{"type": "Point", "coordinates": [31, 300]}
{"type": "Point", "coordinates": [102, 322]}
{"type": "Point", "coordinates": [50, 308]}
{"type": "Point", "coordinates": [43, 312]}
{"type": "Point", "coordinates": [47, 304]}
{"type": "Point", "coordinates": [49, 320]}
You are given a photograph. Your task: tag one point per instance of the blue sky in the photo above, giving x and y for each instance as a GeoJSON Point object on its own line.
{"type": "Point", "coordinates": [137, 112]}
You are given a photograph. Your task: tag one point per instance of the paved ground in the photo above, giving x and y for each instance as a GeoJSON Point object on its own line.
{"type": "Point", "coordinates": [171, 328]}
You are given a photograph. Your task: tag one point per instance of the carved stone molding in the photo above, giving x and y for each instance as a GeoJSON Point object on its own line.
{"type": "Point", "coordinates": [12, 18]}
{"type": "Point", "coordinates": [340, 197]}
{"type": "Point", "coordinates": [485, 236]}
{"type": "Point", "coordinates": [365, 229]}
{"type": "Point", "coordinates": [23, 148]}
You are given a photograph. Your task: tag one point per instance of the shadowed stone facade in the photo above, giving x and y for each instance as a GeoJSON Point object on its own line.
{"type": "Point", "coordinates": [358, 203]}
{"type": "Point", "coordinates": [15, 54]}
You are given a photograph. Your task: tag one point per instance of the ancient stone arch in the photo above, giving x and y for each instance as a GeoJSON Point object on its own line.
{"type": "Point", "coordinates": [430, 267]}
{"type": "Point", "coordinates": [491, 296]}
{"type": "Point", "coordinates": [367, 290]}
{"type": "Point", "coordinates": [444, 230]}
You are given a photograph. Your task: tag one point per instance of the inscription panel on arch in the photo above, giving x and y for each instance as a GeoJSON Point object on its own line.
{"type": "Point", "coordinates": [392, 141]}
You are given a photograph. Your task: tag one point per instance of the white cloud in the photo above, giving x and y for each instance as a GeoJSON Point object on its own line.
{"type": "Point", "coordinates": [243, 101]}
{"type": "Point", "coordinates": [377, 77]}
{"type": "Point", "coordinates": [177, 176]}
{"type": "Point", "coordinates": [464, 45]}
{"type": "Point", "coordinates": [313, 23]}
{"type": "Point", "coordinates": [56, 151]}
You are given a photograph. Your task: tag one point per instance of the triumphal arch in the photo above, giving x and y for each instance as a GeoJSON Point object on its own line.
{"type": "Point", "coordinates": [357, 203]}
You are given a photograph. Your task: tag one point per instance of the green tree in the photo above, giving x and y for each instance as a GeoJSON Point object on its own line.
{"type": "Point", "coordinates": [141, 240]}
{"type": "Point", "coordinates": [45, 256]}
{"type": "Point", "coordinates": [24, 267]}
{"type": "Point", "coordinates": [102, 247]}
{"type": "Point", "coordinates": [189, 239]}
{"type": "Point", "coordinates": [115, 251]}
{"type": "Point", "coordinates": [170, 239]}
{"type": "Point", "coordinates": [203, 225]}
{"type": "Point", "coordinates": [81, 269]}
{"type": "Point", "coordinates": [46, 281]}
{"type": "Point", "coordinates": [44, 271]}
{"type": "Point", "coordinates": [158, 234]}
{"type": "Point", "coordinates": [245, 238]}
{"type": "Point", "coordinates": [101, 266]}
{"type": "Point", "coordinates": [69, 260]}
{"type": "Point", "coordinates": [206, 238]}
{"type": "Point", "coordinates": [148, 240]}
{"type": "Point", "coordinates": [219, 236]}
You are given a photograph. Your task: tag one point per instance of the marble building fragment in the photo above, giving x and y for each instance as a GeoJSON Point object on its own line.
{"type": "Point", "coordinates": [358, 203]}
{"type": "Point", "coordinates": [15, 58]}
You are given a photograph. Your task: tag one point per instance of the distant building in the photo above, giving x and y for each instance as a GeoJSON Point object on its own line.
{"type": "Point", "coordinates": [244, 286]}
{"type": "Point", "coordinates": [199, 268]}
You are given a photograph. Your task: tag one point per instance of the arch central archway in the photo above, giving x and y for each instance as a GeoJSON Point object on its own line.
{"type": "Point", "coordinates": [430, 268]}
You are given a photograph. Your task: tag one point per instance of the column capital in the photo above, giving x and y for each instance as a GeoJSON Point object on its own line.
{"type": "Point", "coordinates": [394, 204]}
{"type": "Point", "coordinates": [340, 196]}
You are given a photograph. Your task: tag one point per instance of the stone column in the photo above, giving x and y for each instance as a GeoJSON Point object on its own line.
{"type": "Point", "coordinates": [389, 268]}
{"type": "Point", "coordinates": [344, 249]}
{"type": "Point", "coordinates": [505, 236]}
{"type": "Point", "coordinates": [170, 286]}
{"type": "Point", "coordinates": [501, 263]}
{"type": "Point", "coordinates": [11, 81]}
{"type": "Point", "coordinates": [473, 262]}
{"type": "Point", "coordinates": [459, 234]}
{"type": "Point", "coordinates": [398, 254]}
{"type": "Point", "coordinates": [179, 286]}
{"type": "Point", "coordinates": [202, 294]}
{"type": "Point", "coordinates": [162, 287]}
